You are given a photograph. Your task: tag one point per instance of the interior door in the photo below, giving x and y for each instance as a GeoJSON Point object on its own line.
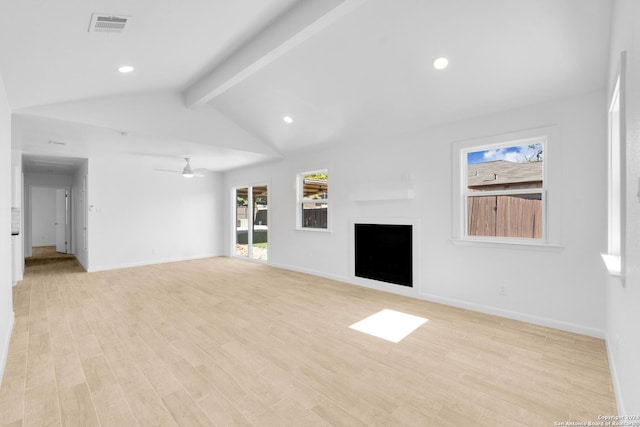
{"type": "Point", "coordinates": [85, 209]}
{"type": "Point", "coordinates": [62, 216]}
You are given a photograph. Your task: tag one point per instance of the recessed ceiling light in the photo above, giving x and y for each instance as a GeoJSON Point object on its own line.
{"type": "Point", "coordinates": [287, 119]}
{"type": "Point", "coordinates": [440, 63]}
{"type": "Point", "coordinates": [126, 69]}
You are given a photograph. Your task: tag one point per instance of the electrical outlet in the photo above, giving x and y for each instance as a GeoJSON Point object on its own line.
{"type": "Point", "coordinates": [407, 178]}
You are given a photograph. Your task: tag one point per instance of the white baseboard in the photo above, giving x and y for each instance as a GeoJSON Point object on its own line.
{"type": "Point", "coordinates": [523, 317]}
{"type": "Point", "coordinates": [82, 260]}
{"type": "Point", "coordinates": [149, 262]}
{"type": "Point", "coordinates": [542, 321]}
{"type": "Point", "coordinates": [617, 391]}
{"type": "Point", "coordinates": [5, 350]}
{"type": "Point", "coordinates": [312, 272]}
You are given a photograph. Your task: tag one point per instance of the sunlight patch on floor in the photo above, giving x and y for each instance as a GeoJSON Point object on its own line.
{"type": "Point", "coordinates": [389, 325]}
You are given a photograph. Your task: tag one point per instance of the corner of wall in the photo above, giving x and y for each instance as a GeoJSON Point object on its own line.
{"type": "Point", "coordinates": [5, 349]}
{"type": "Point", "coordinates": [615, 380]}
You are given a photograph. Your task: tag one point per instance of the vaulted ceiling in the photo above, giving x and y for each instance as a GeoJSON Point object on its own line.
{"type": "Point", "coordinates": [213, 79]}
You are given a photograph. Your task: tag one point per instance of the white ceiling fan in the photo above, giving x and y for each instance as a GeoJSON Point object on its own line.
{"type": "Point", "coordinates": [188, 171]}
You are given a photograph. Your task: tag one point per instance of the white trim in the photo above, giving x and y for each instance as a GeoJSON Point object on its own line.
{"type": "Point", "coordinates": [27, 242]}
{"type": "Point", "coordinates": [616, 177]}
{"type": "Point", "coordinates": [613, 264]}
{"type": "Point", "coordinates": [5, 351]}
{"type": "Point", "coordinates": [337, 277]}
{"type": "Point", "coordinates": [150, 262]}
{"type": "Point", "coordinates": [505, 192]}
{"type": "Point", "coordinates": [507, 314]}
{"type": "Point", "coordinates": [300, 199]}
{"type": "Point", "coordinates": [234, 212]}
{"type": "Point", "coordinates": [313, 230]}
{"type": "Point", "coordinates": [234, 219]}
{"type": "Point", "coordinates": [549, 137]}
{"type": "Point", "coordinates": [514, 315]}
{"type": "Point", "coordinates": [411, 291]}
{"type": "Point", "coordinates": [617, 390]}
{"type": "Point", "coordinates": [520, 244]}
{"type": "Point", "coordinates": [464, 152]}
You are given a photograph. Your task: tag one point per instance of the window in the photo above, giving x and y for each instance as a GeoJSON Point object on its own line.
{"type": "Point", "coordinates": [313, 200]}
{"type": "Point", "coordinates": [504, 190]}
{"type": "Point", "coordinates": [500, 189]}
{"type": "Point", "coordinates": [614, 258]}
{"type": "Point", "coordinates": [614, 174]}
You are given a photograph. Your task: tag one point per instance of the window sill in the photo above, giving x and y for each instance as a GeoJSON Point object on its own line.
{"type": "Point", "coordinates": [613, 264]}
{"type": "Point", "coordinates": [314, 230]}
{"type": "Point", "coordinates": [509, 244]}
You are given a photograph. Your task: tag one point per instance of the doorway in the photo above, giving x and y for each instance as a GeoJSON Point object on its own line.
{"type": "Point", "coordinates": [64, 180]}
{"type": "Point", "coordinates": [49, 217]}
{"type": "Point", "coordinates": [251, 215]}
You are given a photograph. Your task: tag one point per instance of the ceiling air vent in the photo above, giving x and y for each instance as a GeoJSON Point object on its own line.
{"type": "Point", "coordinates": [103, 23]}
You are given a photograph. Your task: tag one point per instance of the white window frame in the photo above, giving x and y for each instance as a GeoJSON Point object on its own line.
{"type": "Point", "coordinates": [300, 200]}
{"type": "Point", "coordinates": [548, 137]}
{"type": "Point", "coordinates": [616, 207]}
{"type": "Point", "coordinates": [467, 193]}
{"type": "Point", "coordinates": [250, 214]}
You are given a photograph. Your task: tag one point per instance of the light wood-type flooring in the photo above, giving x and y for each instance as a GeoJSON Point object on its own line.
{"type": "Point", "coordinates": [226, 342]}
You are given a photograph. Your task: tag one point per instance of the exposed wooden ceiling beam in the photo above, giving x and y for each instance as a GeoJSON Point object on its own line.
{"type": "Point", "coordinates": [301, 22]}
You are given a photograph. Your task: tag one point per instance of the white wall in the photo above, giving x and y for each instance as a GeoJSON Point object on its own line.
{"type": "Point", "coordinates": [6, 306]}
{"type": "Point", "coordinates": [623, 303]}
{"type": "Point", "coordinates": [140, 216]}
{"type": "Point", "coordinates": [17, 242]}
{"type": "Point", "coordinates": [79, 194]}
{"type": "Point", "coordinates": [562, 288]}
{"type": "Point", "coordinates": [43, 216]}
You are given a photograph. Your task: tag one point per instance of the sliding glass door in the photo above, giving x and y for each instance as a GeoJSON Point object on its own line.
{"type": "Point", "coordinates": [260, 227]}
{"type": "Point", "coordinates": [241, 247]}
{"type": "Point", "coordinates": [251, 222]}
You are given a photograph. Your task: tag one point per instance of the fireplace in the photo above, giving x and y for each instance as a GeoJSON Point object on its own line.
{"type": "Point", "coordinates": [384, 252]}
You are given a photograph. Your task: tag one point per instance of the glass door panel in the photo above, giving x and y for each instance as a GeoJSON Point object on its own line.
{"type": "Point", "coordinates": [260, 223]}
{"type": "Point", "coordinates": [241, 246]}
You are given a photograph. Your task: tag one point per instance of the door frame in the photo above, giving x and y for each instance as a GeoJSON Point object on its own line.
{"type": "Point", "coordinates": [28, 219]}
{"type": "Point", "coordinates": [250, 214]}
{"type": "Point", "coordinates": [66, 233]}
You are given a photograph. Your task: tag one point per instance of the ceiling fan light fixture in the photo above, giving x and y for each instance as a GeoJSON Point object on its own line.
{"type": "Point", "coordinates": [187, 172]}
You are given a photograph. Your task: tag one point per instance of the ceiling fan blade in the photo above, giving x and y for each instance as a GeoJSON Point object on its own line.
{"type": "Point", "coordinates": [201, 172]}
{"type": "Point", "coordinates": [187, 171]}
